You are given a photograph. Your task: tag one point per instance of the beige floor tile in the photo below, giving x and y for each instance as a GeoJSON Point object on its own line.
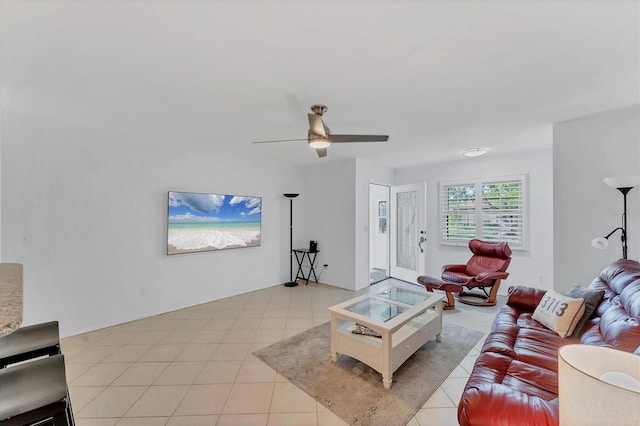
{"type": "Point", "coordinates": [219, 324]}
{"type": "Point", "coordinates": [158, 401]}
{"type": "Point", "coordinates": [458, 373]}
{"type": "Point", "coordinates": [293, 419]}
{"type": "Point", "coordinates": [230, 352]}
{"type": "Point", "coordinates": [73, 371]}
{"type": "Point", "coordinates": [128, 353]}
{"type": "Point", "coordinates": [114, 401]}
{"type": "Point", "coordinates": [193, 420]}
{"type": "Point", "coordinates": [193, 324]}
{"type": "Point", "coordinates": [413, 422]}
{"type": "Point", "coordinates": [246, 323]}
{"type": "Point", "coordinates": [117, 338]}
{"type": "Point", "coordinates": [71, 351]}
{"type": "Point", "coordinates": [197, 352]}
{"type": "Point", "coordinates": [239, 336]}
{"type": "Point", "coordinates": [468, 362]}
{"type": "Point", "coordinates": [454, 388]}
{"type": "Point", "coordinates": [81, 396]}
{"type": "Point", "coordinates": [276, 313]}
{"type": "Point", "coordinates": [327, 418]}
{"type": "Point", "coordinates": [143, 421]}
{"type": "Point", "coordinates": [268, 336]}
{"type": "Point", "coordinates": [92, 354]}
{"type": "Point", "coordinates": [209, 336]}
{"type": "Point", "coordinates": [437, 416]}
{"type": "Point", "coordinates": [243, 420]}
{"type": "Point", "coordinates": [102, 374]}
{"type": "Point", "coordinates": [251, 313]}
{"type": "Point", "coordinates": [180, 373]}
{"type": "Point", "coordinates": [86, 339]}
{"type": "Point", "coordinates": [249, 398]}
{"type": "Point", "coordinates": [204, 400]}
{"type": "Point", "coordinates": [288, 398]}
{"type": "Point", "coordinates": [180, 336]}
{"type": "Point", "coordinates": [219, 372]}
{"type": "Point", "coordinates": [141, 373]}
{"type": "Point", "coordinates": [159, 353]}
{"type": "Point", "coordinates": [255, 372]}
{"type": "Point", "coordinates": [227, 313]}
{"type": "Point", "coordinates": [439, 399]}
{"type": "Point", "coordinates": [270, 323]}
{"type": "Point", "coordinates": [96, 421]}
{"type": "Point", "coordinates": [150, 337]}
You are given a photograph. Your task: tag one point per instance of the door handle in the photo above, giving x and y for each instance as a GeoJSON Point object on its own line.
{"type": "Point", "coordinates": [422, 240]}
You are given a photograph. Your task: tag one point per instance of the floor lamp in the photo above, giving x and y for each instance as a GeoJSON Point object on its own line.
{"type": "Point", "coordinates": [624, 185]}
{"type": "Point", "coordinates": [291, 282]}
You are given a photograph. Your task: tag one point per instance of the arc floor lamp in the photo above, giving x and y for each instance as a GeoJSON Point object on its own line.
{"type": "Point", "coordinates": [291, 282]}
{"type": "Point", "coordinates": [624, 185]}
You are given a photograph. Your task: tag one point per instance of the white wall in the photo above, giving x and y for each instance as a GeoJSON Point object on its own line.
{"type": "Point", "coordinates": [85, 212]}
{"type": "Point", "coordinates": [533, 267]}
{"type": "Point", "coordinates": [585, 151]}
{"type": "Point", "coordinates": [328, 206]}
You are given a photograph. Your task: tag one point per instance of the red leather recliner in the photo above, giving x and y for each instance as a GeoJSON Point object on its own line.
{"type": "Point", "coordinates": [484, 270]}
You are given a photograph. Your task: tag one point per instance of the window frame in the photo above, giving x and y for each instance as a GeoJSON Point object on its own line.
{"type": "Point", "coordinates": [444, 210]}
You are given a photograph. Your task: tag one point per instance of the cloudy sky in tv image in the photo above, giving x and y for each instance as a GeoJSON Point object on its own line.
{"type": "Point", "coordinates": [201, 222]}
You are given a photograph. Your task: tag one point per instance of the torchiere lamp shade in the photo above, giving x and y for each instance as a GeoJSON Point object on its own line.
{"type": "Point", "coordinates": [598, 386]}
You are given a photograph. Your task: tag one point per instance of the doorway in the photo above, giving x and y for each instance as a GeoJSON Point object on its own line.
{"type": "Point", "coordinates": [378, 232]}
{"type": "Point", "coordinates": [407, 231]}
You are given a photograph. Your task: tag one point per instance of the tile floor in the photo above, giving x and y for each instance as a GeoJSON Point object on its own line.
{"type": "Point", "coordinates": [194, 366]}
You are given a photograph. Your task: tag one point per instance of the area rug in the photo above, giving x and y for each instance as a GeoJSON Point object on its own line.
{"type": "Point", "coordinates": [352, 390]}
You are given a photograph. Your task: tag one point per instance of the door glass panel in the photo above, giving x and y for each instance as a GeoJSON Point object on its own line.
{"type": "Point", "coordinates": [407, 232]}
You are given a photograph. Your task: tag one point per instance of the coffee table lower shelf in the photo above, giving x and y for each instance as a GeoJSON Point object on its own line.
{"type": "Point", "coordinates": [387, 353]}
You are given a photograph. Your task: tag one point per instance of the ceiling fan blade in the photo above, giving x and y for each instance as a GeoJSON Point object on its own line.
{"type": "Point", "coordinates": [279, 140]}
{"type": "Point", "coordinates": [322, 152]}
{"type": "Point", "coordinates": [358, 138]}
{"type": "Point", "coordinates": [316, 126]}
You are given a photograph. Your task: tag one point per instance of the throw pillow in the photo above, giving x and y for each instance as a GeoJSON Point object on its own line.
{"type": "Point", "coordinates": [559, 313]}
{"type": "Point", "coordinates": [591, 300]}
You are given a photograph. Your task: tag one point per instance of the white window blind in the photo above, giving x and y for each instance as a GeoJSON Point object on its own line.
{"type": "Point", "coordinates": [491, 209]}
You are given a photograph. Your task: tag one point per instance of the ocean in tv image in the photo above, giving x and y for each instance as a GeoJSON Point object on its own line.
{"type": "Point", "coordinates": [204, 222]}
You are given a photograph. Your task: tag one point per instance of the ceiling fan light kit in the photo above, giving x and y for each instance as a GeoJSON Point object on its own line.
{"type": "Point", "coordinates": [320, 138]}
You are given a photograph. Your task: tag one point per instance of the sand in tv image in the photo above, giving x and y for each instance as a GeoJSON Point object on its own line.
{"type": "Point", "coordinates": [205, 222]}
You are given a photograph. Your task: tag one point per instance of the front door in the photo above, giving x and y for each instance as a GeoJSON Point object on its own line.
{"type": "Point", "coordinates": [407, 226]}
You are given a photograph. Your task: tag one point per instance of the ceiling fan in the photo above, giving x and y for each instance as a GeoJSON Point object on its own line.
{"type": "Point", "coordinates": [320, 138]}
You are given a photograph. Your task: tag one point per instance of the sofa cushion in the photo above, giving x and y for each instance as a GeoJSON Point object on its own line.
{"type": "Point", "coordinates": [559, 312]}
{"type": "Point", "coordinates": [591, 300]}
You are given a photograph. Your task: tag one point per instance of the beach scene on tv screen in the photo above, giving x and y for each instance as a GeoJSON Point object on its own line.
{"type": "Point", "coordinates": [204, 222]}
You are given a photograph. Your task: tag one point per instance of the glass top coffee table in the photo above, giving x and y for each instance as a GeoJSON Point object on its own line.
{"type": "Point", "coordinates": [404, 317]}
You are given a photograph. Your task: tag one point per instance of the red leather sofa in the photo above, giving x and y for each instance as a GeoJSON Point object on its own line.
{"type": "Point", "coordinates": [514, 380]}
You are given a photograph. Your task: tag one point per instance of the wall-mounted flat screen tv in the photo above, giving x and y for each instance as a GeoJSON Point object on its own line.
{"type": "Point", "coordinates": [206, 222]}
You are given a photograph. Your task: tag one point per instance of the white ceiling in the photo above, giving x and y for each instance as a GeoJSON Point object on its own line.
{"type": "Point", "coordinates": [437, 76]}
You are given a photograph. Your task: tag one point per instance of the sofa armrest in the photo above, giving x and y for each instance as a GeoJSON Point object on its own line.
{"type": "Point", "coordinates": [498, 405]}
{"type": "Point", "coordinates": [525, 298]}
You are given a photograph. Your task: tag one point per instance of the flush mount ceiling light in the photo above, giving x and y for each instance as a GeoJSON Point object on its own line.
{"type": "Point", "coordinates": [474, 152]}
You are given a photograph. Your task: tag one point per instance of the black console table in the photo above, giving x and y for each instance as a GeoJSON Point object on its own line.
{"type": "Point", "coordinates": [301, 254]}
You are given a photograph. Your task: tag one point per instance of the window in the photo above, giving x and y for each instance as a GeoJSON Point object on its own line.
{"type": "Point", "coordinates": [492, 209]}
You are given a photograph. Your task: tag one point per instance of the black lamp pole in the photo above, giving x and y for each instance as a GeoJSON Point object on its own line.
{"type": "Point", "coordinates": [624, 221]}
{"type": "Point", "coordinates": [291, 282]}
